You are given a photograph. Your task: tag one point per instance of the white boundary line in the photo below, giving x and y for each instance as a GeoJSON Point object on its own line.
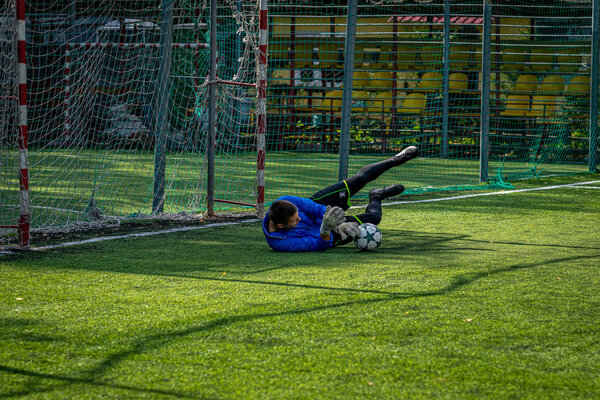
{"type": "Point", "coordinates": [485, 194]}
{"type": "Point", "coordinates": [141, 234]}
{"type": "Point", "coordinates": [193, 228]}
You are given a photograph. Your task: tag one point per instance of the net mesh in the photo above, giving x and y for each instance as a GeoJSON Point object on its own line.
{"type": "Point", "coordinates": [98, 121]}
{"type": "Point", "coordinates": [9, 127]}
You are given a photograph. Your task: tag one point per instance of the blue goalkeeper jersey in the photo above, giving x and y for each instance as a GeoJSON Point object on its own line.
{"type": "Point", "coordinates": [306, 236]}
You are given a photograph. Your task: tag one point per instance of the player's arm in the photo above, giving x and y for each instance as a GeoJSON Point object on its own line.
{"type": "Point", "coordinates": [300, 244]}
{"type": "Point", "coordinates": [313, 210]}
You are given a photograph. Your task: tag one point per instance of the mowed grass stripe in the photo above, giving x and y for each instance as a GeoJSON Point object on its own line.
{"type": "Point", "coordinates": [487, 297]}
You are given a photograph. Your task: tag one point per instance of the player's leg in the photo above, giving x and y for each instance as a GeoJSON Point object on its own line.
{"type": "Point", "coordinates": [372, 171]}
{"type": "Point", "coordinates": [373, 212]}
{"type": "Point", "coordinates": [339, 194]}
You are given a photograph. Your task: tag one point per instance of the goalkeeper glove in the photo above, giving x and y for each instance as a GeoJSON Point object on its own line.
{"type": "Point", "coordinates": [332, 218]}
{"type": "Point", "coordinates": [348, 229]}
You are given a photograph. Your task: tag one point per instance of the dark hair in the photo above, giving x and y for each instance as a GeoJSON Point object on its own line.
{"type": "Point", "coordinates": [281, 211]}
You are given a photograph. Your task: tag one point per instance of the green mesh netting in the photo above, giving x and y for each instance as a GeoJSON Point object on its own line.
{"type": "Point", "coordinates": [539, 103]}
{"type": "Point", "coordinates": [100, 126]}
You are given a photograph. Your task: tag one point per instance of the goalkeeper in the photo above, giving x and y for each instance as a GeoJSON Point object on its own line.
{"type": "Point", "coordinates": [295, 224]}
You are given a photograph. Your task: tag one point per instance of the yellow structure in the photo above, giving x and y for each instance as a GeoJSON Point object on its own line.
{"type": "Point", "coordinates": [430, 82]}
{"type": "Point", "coordinates": [579, 86]}
{"type": "Point", "coordinates": [525, 83]}
{"type": "Point", "coordinates": [414, 103]}
{"type": "Point", "coordinates": [516, 105]}
{"type": "Point", "coordinates": [544, 106]}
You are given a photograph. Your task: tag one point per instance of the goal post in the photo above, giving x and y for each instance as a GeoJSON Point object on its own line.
{"type": "Point", "coordinates": [118, 113]}
{"type": "Point", "coordinates": [24, 200]}
{"type": "Point", "coordinates": [261, 119]}
{"type": "Point", "coordinates": [13, 135]}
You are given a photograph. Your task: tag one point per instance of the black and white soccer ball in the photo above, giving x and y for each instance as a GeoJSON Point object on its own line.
{"type": "Point", "coordinates": [369, 237]}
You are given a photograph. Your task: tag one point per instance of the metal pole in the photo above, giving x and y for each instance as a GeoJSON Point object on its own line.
{"type": "Point", "coordinates": [347, 92]}
{"type": "Point", "coordinates": [484, 136]}
{"type": "Point", "coordinates": [445, 80]}
{"type": "Point", "coordinates": [212, 111]}
{"type": "Point", "coordinates": [593, 147]}
{"type": "Point", "coordinates": [261, 119]}
{"type": "Point", "coordinates": [23, 228]}
{"type": "Point", "coordinates": [162, 106]}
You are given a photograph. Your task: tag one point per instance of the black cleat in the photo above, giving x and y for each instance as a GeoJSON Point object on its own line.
{"type": "Point", "coordinates": [407, 154]}
{"type": "Point", "coordinates": [384, 193]}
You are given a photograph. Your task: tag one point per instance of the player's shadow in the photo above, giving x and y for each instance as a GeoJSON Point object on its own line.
{"type": "Point", "coordinates": [396, 245]}
{"type": "Point", "coordinates": [94, 376]}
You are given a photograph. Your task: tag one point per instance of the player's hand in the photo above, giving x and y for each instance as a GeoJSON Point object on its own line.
{"type": "Point", "coordinates": [348, 229]}
{"type": "Point", "coordinates": [333, 217]}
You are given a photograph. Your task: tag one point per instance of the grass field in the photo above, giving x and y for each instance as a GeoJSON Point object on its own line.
{"type": "Point", "coordinates": [491, 297]}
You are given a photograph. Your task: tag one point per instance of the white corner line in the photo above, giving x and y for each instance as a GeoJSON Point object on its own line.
{"type": "Point", "coordinates": [466, 196]}
{"type": "Point", "coordinates": [141, 234]}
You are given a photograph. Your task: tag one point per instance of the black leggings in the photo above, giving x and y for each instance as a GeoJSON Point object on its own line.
{"type": "Point", "coordinates": [339, 194]}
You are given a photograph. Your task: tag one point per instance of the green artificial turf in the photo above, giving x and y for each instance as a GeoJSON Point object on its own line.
{"type": "Point", "coordinates": [485, 297]}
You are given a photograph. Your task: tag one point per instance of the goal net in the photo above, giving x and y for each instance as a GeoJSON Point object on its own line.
{"type": "Point", "coordinates": [118, 111]}
{"type": "Point", "coordinates": [9, 126]}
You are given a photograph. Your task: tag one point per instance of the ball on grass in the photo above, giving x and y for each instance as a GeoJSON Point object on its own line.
{"type": "Point", "coordinates": [369, 237]}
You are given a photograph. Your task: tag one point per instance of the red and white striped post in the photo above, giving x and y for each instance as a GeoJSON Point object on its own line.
{"type": "Point", "coordinates": [25, 217]}
{"type": "Point", "coordinates": [261, 119]}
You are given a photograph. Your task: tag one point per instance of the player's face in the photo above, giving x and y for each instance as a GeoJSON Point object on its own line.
{"type": "Point", "coordinates": [293, 221]}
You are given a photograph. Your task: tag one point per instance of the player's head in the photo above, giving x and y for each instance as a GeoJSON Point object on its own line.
{"type": "Point", "coordinates": [284, 215]}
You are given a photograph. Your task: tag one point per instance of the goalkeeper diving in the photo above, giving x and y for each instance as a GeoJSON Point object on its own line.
{"type": "Point", "coordinates": [294, 224]}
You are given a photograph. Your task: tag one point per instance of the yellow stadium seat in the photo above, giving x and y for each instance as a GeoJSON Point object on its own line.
{"type": "Point", "coordinates": [430, 82]}
{"type": "Point", "coordinates": [381, 104]}
{"type": "Point", "coordinates": [541, 59]}
{"type": "Point", "coordinates": [458, 82]}
{"type": "Point", "coordinates": [414, 103]}
{"type": "Point", "coordinates": [328, 55]}
{"type": "Point", "coordinates": [382, 80]}
{"type": "Point", "coordinates": [431, 55]}
{"type": "Point", "coordinates": [544, 106]}
{"type": "Point", "coordinates": [552, 84]}
{"type": "Point", "coordinates": [361, 80]}
{"type": "Point", "coordinates": [569, 60]}
{"type": "Point", "coordinates": [579, 86]}
{"type": "Point", "coordinates": [332, 102]}
{"type": "Point", "coordinates": [516, 105]}
{"type": "Point", "coordinates": [525, 83]}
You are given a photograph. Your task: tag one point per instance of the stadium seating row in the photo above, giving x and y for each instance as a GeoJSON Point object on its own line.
{"type": "Point", "coordinates": [431, 81]}
{"type": "Point", "coordinates": [429, 57]}
{"type": "Point", "coordinates": [528, 97]}
{"type": "Point", "coordinates": [458, 82]}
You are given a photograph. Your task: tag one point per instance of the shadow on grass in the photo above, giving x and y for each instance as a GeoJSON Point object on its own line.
{"type": "Point", "coordinates": [94, 376]}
